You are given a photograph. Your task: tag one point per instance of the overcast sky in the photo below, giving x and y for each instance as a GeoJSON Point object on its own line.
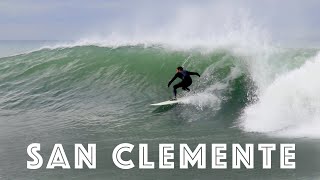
{"type": "Point", "coordinates": [285, 20]}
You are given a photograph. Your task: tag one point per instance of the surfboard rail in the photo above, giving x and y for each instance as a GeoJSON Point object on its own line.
{"type": "Point", "coordinates": [169, 102]}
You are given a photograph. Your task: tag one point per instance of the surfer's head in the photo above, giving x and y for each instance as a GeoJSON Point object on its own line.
{"type": "Point", "coordinates": [179, 69]}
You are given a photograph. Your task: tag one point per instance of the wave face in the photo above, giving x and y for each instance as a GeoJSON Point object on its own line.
{"type": "Point", "coordinates": [78, 78]}
{"type": "Point", "coordinates": [272, 90]}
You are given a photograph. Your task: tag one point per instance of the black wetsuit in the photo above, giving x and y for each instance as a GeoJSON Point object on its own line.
{"type": "Point", "coordinates": [185, 83]}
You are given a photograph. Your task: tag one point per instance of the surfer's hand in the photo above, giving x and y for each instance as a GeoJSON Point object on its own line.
{"type": "Point", "coordinates": [168, 84]}
{"type": "Point", "coordinates": [198, 75]}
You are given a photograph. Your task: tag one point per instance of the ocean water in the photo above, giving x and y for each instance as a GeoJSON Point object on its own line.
{"type": "Point", "coordinates": [100, 91]}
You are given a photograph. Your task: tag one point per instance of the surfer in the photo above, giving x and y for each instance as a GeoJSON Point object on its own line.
{"type": "Point", "coordinates": [185, 83]}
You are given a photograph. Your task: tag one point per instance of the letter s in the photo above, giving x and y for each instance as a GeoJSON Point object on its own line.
{"type": "Point", "coordinates": [37, 158]}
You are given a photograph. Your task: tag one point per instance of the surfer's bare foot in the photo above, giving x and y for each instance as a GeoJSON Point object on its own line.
{"type": "Point", "coordinates": [173, 99]}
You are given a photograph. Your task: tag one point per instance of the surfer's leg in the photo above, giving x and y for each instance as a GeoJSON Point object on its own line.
{"type": "Point", "coordinates": [175, 87]}
{"type": "Point", "coordinates": [186, 85]}
{"type": "Point", "coordinates": [175, 92]}
{"type": "Point", "coordinates": [186, 88]}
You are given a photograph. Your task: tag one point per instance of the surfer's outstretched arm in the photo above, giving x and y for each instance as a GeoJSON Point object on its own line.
{"type": "Point", "coordinates": [194, 73]}
{"type": "Point", "coordinates": [174, 77]}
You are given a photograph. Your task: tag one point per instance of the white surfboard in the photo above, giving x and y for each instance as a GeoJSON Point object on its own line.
{"type": "Point", "coordinates": [166, 103]}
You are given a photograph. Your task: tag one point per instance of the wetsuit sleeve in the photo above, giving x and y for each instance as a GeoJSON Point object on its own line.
{"type": "Point", "coordinates": [194, 73]}
{"type": "Point", "coordinates": [174, 77]}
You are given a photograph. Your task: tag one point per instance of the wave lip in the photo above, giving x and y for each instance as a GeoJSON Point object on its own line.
{"type": "Point", "coordinates": [290, 106]}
